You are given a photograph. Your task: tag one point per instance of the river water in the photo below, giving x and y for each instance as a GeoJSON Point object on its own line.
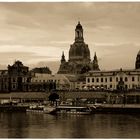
{"type": "Point", "coordinates": [29, 125]}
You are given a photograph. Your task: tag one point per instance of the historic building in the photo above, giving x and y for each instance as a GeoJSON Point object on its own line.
{"type": "Point", "coordinates": [79, 56]}
{"type": "Point", "coordinates": [113, 80]}
{"type": "Point", "coordinates": [46, 82]}
{"type": "Point", "coordinates": [18, 77]}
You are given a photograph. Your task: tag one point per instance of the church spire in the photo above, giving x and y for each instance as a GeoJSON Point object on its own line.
{"type": "Point", "coordinates": [79, 33]}
{"type": "Point", "coordinates": [95, 63]}
{"type": "Point", "coordinates": [95, 57]}
{"type": "Point", "coordinates": [63, 58]}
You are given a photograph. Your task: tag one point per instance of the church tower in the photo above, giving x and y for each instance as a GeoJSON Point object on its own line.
{"type": "Point", "coordinates": [79, 33]}
{"type": "Point", "coordinates": [63, 58]}
{"type": "Point", "coordinates": [95, 63]}
{"type": "Point", "coordinates": [137, 64]}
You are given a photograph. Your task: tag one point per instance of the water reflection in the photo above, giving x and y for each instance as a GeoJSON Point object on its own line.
{"type": "Point", "coordinates": [29, 125]}
{"type": "Point", "coordinates": [13, 125]}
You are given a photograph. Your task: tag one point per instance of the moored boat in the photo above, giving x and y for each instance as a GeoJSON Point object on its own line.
{"type": "Point", "coordinates": [74, 110]}
{"type": "Point", "coordinates": [42, 109]}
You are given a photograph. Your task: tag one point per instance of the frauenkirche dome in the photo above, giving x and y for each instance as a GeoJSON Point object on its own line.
{"type": "Point", "coordinates": [79, 51]}
{"type": "Point", "coordinates": [79, 56]}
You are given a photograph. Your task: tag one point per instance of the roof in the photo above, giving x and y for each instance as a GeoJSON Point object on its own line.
{"type": "Point", "coordinates": [3, 72]}
{"type": "Point", "coordinates": [71, 78]}
{"type": "Point", "coordinates": [114, 72]}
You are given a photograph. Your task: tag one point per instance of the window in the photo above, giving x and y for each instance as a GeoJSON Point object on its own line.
{"type": "Point", "coordinates": [14, 80]}
{"type": "Point", "coordinates": [126, 79]}
{"type": "Point", "coordinates": [102, 80]}
{"type": "Point", "coordinates": [110, 86]}
{"type": "Point", "coordinates": [92, 79]}
{"type": "Point", "coordinates": [126, 86]}
{"type": "Point", "coordinates": [43, 80]}
{"type": "Point", "coordinates": [105, 79]}
{"type": "Point", "coordinates": [13, 86]}
{"type": "Point", "coordinates": [88, 80]}
{"type": "Point", "coordinates": [110, 79]}
{"type": "Point", "coordinates": [97, 80]}
{"type": "Point", "coordinates": [133, 78]}
{"type": "Point", "coordinates": [116, 79]}
{"type": "Point", "coordinates": [121, 79]}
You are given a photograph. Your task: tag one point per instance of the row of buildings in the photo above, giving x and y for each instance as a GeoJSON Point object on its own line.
{"type": "Point", "coordinates": [79, 72]}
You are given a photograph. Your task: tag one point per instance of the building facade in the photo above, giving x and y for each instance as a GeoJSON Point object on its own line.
{"type": "Point", "coordinates": [46, 82]}
{"type": "Point", "coordinates": [113, 80]}
{"type": "Point", "coordinates": [79, 56]}
{"type": "Point", "coordinates": [4, 81]}
{"type": "Point", "coordinates": [18, 75]}
{"type": "Point", "coordinates": [14, 78]}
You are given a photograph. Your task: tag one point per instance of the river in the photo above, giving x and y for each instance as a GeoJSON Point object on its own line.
{"type": "Point", "coordinates": [29, 125]}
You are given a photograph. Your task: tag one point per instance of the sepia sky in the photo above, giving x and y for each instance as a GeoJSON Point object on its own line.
{"type": "Point", "coordinates": [37, 33]}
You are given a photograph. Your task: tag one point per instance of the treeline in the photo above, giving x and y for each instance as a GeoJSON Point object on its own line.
{"type": "Point", "coordinates": [41, 70]}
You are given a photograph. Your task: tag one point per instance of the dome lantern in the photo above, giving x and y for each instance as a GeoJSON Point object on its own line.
{"type": "Point", "coordinates": [79, 33]}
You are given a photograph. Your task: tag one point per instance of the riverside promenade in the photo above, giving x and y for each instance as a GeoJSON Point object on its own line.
{"type": "Point", "coordinates": [109, 97]}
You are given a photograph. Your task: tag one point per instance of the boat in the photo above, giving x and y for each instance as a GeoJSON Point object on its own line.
{"type": "Point", "coordinates": [49, 109]}
{"type": "Point", "coordinates": [74, 110]}
{"type": "Point", "coordinates": [41, 109]}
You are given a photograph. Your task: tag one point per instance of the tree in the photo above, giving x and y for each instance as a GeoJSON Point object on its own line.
{"type": "Point", "coordinates": [42, 70]}
{"type": "Point", "coordinates": [53, 97]}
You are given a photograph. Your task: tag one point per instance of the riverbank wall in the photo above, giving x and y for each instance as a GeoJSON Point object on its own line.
{"type": "Point", "coordinates": [109, 97]}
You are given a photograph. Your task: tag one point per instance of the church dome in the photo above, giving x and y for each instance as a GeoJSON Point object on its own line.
{"type": "Point", "coordinates": [138, 53]}
{"type": "Point", "coordinates": [79, 51]}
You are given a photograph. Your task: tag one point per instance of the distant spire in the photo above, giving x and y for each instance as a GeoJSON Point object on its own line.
{"type": "Point", "coordinates": [95, 63]}
{"type": "Point", "coordinates": [95, 57]}
{"type": "Point", "coordinates": [78, 22]}
{"type": "Point", "coordinates": [63, 53]}
{"type": "Point", "coordinates": [63, 57]}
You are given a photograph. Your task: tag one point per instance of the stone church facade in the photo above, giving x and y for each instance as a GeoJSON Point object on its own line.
{"type": "Point", "coordinates": [79, 56]}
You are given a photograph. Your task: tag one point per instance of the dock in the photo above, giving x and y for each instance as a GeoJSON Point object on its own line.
{"type": "Point", "coordinates": [118, 108]}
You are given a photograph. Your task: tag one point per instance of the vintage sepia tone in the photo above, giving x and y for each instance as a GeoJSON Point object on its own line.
{"type": "Point", "coordinates": [69, 70]}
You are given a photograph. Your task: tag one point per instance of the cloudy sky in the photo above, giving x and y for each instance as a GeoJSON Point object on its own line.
{"type": "Point", "coordinates": [37, 33]}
